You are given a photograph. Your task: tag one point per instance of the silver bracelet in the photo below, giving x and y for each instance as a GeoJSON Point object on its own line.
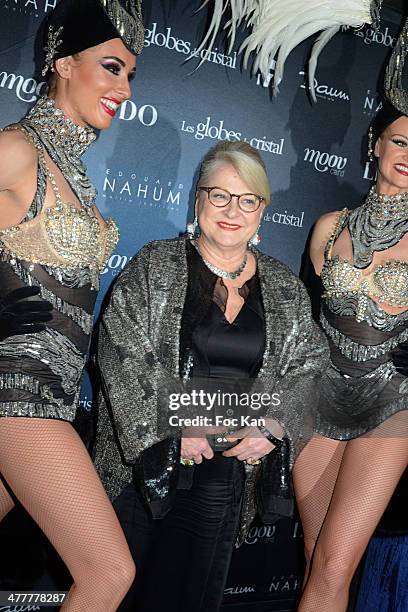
{"type": "Point", "coordinates": [269, 436]}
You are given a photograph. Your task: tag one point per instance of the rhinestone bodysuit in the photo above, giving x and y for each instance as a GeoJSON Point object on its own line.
{"type": "Point", "coordinates": [362, 388]}
{"type": "Point", "coordinates": [62, 249]}
{"type": "Point", "coordinates": [388, 283]}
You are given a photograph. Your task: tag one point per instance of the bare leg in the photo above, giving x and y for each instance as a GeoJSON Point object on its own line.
{"type": "Point", "coordinates": [370, 470]}
{"type": "Point", "coordinates": [6, 503]}
{"type": "Point", "coordinates": [48, 468]}
{"type": "Point", "coordinates": [314, 477]}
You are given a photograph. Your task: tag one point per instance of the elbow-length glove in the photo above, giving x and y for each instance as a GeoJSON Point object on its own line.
{"type": "Point", "coordinates": [20, 315]}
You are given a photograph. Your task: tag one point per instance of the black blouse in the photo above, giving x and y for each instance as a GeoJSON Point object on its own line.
{"type": "Point", "coordinates": [221, 349]}
{"type": "Point", "coordinates": [230, 350]}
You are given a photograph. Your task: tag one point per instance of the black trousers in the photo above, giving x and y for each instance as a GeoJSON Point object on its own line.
{"type": "Point", "coordinates": [183, 559]}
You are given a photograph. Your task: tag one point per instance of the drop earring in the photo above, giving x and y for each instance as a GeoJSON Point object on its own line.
{"type": "Point", "coordinates": [370, 151]}
{"type": "Point", "coordinates": [192, 228]}
{"type": "Point", "coordinates": [256, 239]}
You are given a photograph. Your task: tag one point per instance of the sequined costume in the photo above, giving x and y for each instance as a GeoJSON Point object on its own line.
{"type": "Point", "coordinates": [60, 249]}
{"type": "Point", "coordinates": [362, 388]}
{"type": "Point", "coordinates": [148, 304]}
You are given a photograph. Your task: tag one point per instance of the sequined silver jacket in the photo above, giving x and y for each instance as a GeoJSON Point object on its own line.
{"type": "Point", "coordinates": [138, 355]}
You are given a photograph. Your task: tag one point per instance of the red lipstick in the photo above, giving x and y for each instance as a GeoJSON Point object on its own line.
{"type": "Point", "coordinates": [400, 169]}
{"type": "Point", "coordinates": [229, 227]}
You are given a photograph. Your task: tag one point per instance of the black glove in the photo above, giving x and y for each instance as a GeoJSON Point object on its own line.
{"type": "Point", "coordinates": [20, 315]}
{"type": "Point", "coordinates": [399, 357]}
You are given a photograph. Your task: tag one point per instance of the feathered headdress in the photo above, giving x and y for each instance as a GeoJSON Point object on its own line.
{"type": "Point", "coordinates": [394, 89]}
{"type": "Point", "coordinates": [278, 26]}
{"type": "Point", "coordinates": [394, 101]}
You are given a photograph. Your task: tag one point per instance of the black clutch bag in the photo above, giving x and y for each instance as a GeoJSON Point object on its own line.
{"type": "Point", "coordinates": [274, 488]}
{"type": "Point", "coordinates": [219, 443]}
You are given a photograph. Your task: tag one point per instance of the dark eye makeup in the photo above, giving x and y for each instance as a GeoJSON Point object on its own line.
{"type": "Point", "coordinates": [399, 140]}
{"type": "Point", "coordinates": [116, 68]}
{"type": "Point", "coordinates": [400, 143]}
{"type": "Point", "coordinates": [112, 67]}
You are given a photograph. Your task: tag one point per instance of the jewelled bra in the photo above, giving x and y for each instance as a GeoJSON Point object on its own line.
{"type": "Point", "coordinates": [63, 235]}
{"type": "Point", "coordinates": [387, 284]}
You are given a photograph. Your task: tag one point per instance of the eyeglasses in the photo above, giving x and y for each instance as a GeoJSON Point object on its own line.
{"type": "Point", "coordinates": [247, 202]}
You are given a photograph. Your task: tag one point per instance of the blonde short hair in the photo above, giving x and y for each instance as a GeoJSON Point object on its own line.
{"type": "Point", "coordinates": [246, 161]}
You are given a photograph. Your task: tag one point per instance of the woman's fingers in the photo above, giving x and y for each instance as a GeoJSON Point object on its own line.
{"type": "Point", "coordinates": [254, 448]}
{"type": "Point", "coordinates": [208, 453]}
{"type": "Point", "coordinates": [196, 449]}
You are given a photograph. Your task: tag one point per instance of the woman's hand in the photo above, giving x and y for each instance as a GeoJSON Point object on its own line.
{"type": "Point", "coordinates": [253, 444]}
{"type": "Point", "coordinates": [195, 446]}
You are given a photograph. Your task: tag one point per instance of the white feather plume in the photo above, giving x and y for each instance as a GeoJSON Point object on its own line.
{"type": "Point", "coordinates": [276, 27]}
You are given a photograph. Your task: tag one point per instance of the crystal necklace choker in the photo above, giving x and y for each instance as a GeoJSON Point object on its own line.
{"type": "Point", "coordinates": [223, 273]}
{"type": "Point", "coordinates": [387, 206]}
{"type": "Point", "coordinates": [65, 142]}
{"type": "Point", "coordinates": [377, 225]}
{"type": "Point", "coordinates": [58, 128]}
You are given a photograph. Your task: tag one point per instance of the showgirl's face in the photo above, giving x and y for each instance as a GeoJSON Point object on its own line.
{"type": "Point", "coordinates": [227, 227]}
{"type": "Point", "coordinates": [392, 152]}
{"type": "Point", "coordinates": [92, 87]}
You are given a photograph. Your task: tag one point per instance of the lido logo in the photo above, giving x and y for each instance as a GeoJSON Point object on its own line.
{"type": "Point", "coordinates": [370, 171]}
{"type": "Point", "coordinates": [146, 114]}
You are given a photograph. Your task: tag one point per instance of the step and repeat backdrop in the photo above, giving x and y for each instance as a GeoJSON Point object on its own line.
{"type": "Point", "coordinates": [145, 169]}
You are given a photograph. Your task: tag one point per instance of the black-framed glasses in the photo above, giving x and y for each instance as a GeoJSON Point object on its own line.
{"type": "Point", "coordinates": [247, 202]}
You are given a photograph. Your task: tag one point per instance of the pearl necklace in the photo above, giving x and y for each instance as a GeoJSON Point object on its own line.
{"type": "Point", "coordinates": [223, 273]}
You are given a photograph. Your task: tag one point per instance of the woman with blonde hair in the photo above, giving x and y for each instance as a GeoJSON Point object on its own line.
{"type": "Point", "coordinates": [210, 311]}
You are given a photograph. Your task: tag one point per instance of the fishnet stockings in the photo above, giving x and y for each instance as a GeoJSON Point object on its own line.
{"type": "Point", "coordinates": [314, 477]}
{"type": "Point", "coordinates": [345, 486]}
{"type": "Point", "coordinates": [49, 470]}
